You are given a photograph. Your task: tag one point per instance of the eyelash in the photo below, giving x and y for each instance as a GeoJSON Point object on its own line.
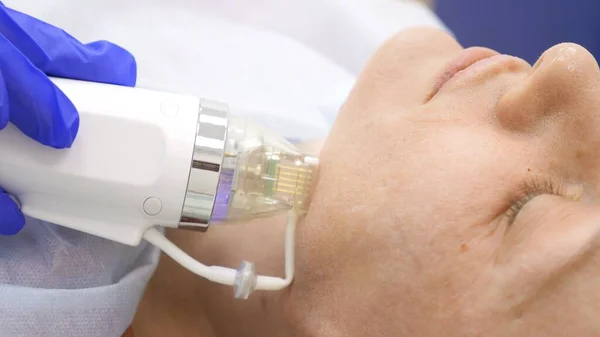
{"type": "Point", "coordinates": [530, 189]}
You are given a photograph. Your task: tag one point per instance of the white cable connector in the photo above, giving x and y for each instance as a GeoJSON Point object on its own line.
{"type": "Point", "coordinates": [244, 280]}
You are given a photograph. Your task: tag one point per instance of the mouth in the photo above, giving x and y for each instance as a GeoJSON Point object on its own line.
{"type": "Point", "coordinates": [463, 61]}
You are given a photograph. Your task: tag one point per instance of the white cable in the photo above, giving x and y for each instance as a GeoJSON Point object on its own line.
{"type": "Point", "coordinates": [277, 283]}
{"type": "Point", "coordinates": [227, 276]}
{"type": "Point", "coordinates": [215, 274]}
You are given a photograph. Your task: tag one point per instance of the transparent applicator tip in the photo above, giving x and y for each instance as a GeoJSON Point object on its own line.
{"type": "Point", "coordinates": [262, 175]}
{"type": "Point", "coordinates": [241, 171]}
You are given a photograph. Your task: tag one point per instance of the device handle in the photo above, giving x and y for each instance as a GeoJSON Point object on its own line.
{"type": "Point", "coordinates": [126, 171]}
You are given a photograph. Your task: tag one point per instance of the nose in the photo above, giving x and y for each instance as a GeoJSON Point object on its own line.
{"type": "Point", "coordinates": [565, 79]}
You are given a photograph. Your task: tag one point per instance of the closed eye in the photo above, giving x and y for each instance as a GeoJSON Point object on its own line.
{"type": "Point", "coordinates": [531, 188]}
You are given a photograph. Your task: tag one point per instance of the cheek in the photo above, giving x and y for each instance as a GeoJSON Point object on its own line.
{"type": "Point", "coordinates": [452, 175]}
{"type": "Point", "coordinates": [411, 210]}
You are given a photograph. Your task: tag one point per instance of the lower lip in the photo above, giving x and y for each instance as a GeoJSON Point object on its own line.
{"type": "Point", "coordinates": [465, 60]}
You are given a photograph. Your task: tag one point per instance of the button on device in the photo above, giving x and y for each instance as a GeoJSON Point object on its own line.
{"type": "Point", "coordinates": [169, 108]}
{"type": "Point", "coordinates": [152, 206]}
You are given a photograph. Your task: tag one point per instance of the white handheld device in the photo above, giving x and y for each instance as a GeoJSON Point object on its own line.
{"type": "Point", "coordinates": [146, 158]}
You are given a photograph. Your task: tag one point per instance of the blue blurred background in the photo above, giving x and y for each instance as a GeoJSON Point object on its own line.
{"type": "Point", "coordinates": [523, 28]}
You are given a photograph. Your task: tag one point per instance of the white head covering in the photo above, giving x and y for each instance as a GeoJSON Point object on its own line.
{"type": "Point", "coordinates": [287, 65]}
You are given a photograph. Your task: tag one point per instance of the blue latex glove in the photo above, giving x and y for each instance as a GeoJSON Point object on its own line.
{"type": "Point", "coordinates": [30, 51]}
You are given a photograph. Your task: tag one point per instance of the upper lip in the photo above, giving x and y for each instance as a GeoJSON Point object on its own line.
{"type": "Point", "coordinates": [464, 60]}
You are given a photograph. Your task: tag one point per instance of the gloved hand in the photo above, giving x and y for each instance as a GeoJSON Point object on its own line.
{"type": "Point", "coordinates": [30, 51]}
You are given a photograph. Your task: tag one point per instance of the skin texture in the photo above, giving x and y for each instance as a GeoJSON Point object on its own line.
{"type": "Point", "coordinates": [471, 210]}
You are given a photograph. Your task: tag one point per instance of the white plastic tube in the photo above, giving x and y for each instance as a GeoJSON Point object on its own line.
{"type": "Point", "coordinates": [246, 284]}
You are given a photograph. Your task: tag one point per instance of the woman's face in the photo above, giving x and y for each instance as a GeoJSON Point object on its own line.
{"type": "Point", "coordinates": [458, 196]}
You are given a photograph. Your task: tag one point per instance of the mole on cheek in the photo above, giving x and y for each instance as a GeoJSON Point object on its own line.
{"type": "Point", "coordinates": [464, 247]}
